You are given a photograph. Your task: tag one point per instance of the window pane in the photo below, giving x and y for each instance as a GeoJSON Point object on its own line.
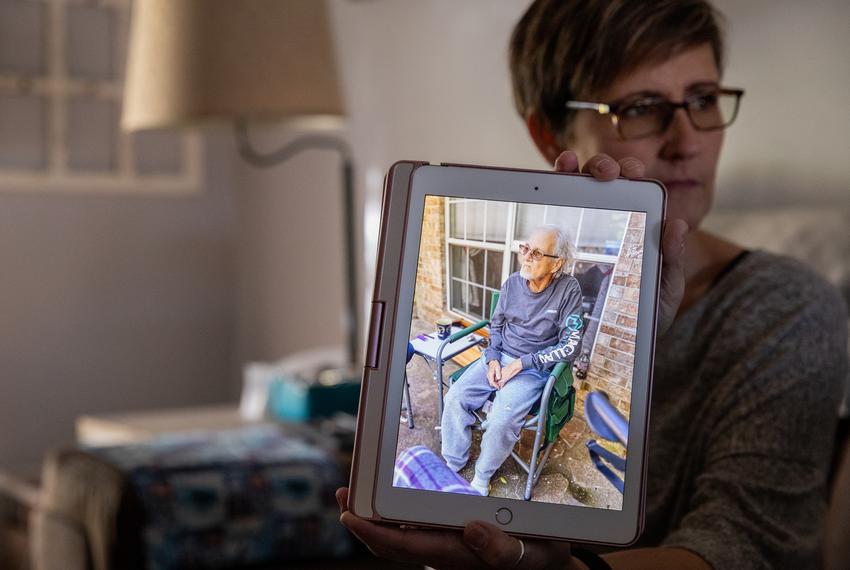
{"type": "Point", "coordinates": [90, 42]}
{"type": "Point", "coordinates": [476, 302]}
{"type": "Point", "coordinates": [591, 276]}
{"type": "Point", "coordinates": [595, 279]}
{"type": "Point", "coordinates": [488, 303]}
{"type": "Point", "coordinates": [497, 219]}
{"type": "Point", "coordinates": [565, 217]}
{"type": "Point", "coordinates": [475, 220]}
{"type": "Point", "coordinates": [494, 269]}
{"type": "Point", "coordinates": [23, 132]}
{"type": "Point", "coordinates": [602, 231]}
{"type": "Point", "coordinates": [458, 263]}
{"type": "Point", "coordinates": [456, 211]}
{"type": "Point", "coordinates": [22, 37]}
{"type": "Point", "coordinates": [476, 265]}
{"type": "Point", "coordinates": [92, 133]}
{"type": "Point", "coordinates": [529, 216]}
{"type": "Point", "coordinates": [458, 296]}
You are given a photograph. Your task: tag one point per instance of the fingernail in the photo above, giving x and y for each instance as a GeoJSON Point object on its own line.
{"type": "Point", "coordinates": [605, 165]}
{"type": "Point", "coordinates": [476, 536]}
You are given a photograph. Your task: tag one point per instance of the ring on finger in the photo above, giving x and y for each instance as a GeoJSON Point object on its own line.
{"type": "Point", "coordinates": [521, 553]}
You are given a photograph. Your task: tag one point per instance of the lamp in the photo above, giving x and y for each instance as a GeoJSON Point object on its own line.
{"type": "Point", "coordinates": [194, 62]}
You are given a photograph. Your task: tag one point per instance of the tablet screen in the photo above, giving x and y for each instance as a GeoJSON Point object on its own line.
{"type": "Point", "coordinates": [521, 352]}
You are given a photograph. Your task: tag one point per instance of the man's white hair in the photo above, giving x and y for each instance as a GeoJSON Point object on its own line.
{"type": "Point", "coordinates": [563, 245]}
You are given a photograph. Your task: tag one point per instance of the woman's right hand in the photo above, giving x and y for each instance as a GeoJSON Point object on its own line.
{"type": "Point", "coordinates": [603, 167]}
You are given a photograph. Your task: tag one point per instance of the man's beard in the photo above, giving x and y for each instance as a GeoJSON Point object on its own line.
{"type": "Point", "coordinates": [525, 273]}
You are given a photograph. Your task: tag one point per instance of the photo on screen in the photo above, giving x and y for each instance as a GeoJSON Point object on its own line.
{"type": "Point", "coordinates": [521, 352]}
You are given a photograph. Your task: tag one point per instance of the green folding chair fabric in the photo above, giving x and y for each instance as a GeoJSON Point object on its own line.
{"type": "Point", "coordinates": [562, 402]}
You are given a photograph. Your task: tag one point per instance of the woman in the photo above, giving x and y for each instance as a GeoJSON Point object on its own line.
{"type": "Point", "coordinates": [751, 351]}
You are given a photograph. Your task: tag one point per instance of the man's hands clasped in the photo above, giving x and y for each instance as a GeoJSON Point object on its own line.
{"type": "Point", "coordinates": [498, 376]}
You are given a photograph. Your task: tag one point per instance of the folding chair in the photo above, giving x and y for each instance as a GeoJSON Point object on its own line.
{"type": "Point", "coordinates": [557, 401]}
{"type": "Point", "coordinates": [605, 421]}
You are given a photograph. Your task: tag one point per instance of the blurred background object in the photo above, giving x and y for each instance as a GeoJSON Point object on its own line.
{"type": "Point", "coordinates": [192, 62]}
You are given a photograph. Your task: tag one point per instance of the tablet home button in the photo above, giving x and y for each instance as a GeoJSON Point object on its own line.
{"type": "Point", "coordinates": [504, 516]}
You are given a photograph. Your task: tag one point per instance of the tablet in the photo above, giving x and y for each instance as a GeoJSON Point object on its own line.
{"type": "Point", "coordinates": [550, 279]}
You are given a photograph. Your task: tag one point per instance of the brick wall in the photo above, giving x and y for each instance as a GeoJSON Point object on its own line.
{"type": "Point", "coordinates": [429, 302]}
{"type": "Point", "coordinates": [613, 353]}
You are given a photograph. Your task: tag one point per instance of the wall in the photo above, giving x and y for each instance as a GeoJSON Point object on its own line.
{"type": "Point", "coordinates": [429, 302]}
{"type": "Point", "coordinates": [612, 359]}
{"type": "Point", "coordinates": [112, 303]}
{"type": "Point", "coordinates": [289, 248]}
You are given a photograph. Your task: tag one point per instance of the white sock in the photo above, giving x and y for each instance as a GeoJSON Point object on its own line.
{"type": "Point", "coordinates": [481, 485]}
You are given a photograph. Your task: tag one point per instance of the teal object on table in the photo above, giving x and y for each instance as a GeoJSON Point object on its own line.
{"type": "Point", "coordinates": [295, 399]}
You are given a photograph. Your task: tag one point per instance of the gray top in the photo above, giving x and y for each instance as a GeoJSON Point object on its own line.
{"type": "Point", "coordinates": [746, 387]}
{"type": "Point", "coordinates": [542, 328]}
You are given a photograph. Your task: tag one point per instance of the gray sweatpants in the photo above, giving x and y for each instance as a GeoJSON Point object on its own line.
{"type": "Point", "coordinates": [504, 422]}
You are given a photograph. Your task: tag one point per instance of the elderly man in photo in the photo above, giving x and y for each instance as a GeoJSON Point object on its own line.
{"type": "Point", "coordinates": [537, 323]}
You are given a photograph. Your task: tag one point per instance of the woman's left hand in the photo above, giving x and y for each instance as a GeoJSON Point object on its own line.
{"type": "Point", "coordinates": [480, 545]}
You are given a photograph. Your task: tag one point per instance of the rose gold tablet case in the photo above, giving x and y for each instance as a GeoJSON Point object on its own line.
{"type": "Point", "coordinates": [370, 414]}
{"type": "Point", "coordinates": [379, 340]}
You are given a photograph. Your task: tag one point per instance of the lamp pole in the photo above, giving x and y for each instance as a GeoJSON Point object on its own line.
{"type": "Point", "coordinates": [339, 145]}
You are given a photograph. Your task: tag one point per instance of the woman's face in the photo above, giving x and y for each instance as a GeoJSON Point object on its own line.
{"type": "Point", "coordinates": [684, 159]}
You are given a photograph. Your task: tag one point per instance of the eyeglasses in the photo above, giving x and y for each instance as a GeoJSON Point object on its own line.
{"type": "Point", "coordinates": [536, 254]}
{"type": "Point", "coordinates": [647, 116]}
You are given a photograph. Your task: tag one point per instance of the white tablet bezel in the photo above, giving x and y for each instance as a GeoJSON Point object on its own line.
{"type": "Point", "coordinates": [585, 524]}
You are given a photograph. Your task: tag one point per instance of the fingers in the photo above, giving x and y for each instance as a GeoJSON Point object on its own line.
{"type": "Point", "coordinates": [672, 272]}
{"type": "Point", "coordinates": [498, 550]}
{"type": "Point", "coordinates": [491, 377]}
{"type": "Point", "coordinates": [342, 499]}
{"type": "Point", "coordinates": [631, 167]}
{"type": "Point", "coordinates": [491, 545]}
{"type": "Point", "coordinates": [567, 161]}
{"type": "Point", "coordinates": [443, 549]}
{"type": "Point", "coordinates": [673, 239]}
{"type": "Point", "coordinates": [602, 167]}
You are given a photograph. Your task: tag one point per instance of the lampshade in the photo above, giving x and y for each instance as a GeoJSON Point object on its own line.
{"type": "Point", "coordinates": [196, 61]}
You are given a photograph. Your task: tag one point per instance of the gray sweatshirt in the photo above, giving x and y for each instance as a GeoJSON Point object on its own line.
{"type": "Point", "coordinates": [542, 328]}
{"type": "Point", "coordinates": [744, 399]}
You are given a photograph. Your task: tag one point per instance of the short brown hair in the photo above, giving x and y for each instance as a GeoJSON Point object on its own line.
{"type": "Point", "coordinates": [571, 49]}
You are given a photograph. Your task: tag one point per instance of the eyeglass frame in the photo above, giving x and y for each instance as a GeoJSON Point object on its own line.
{"type": "Point", "coordinates": [615, 106]}
{"type": "Point", "coordinates": [533, 251]}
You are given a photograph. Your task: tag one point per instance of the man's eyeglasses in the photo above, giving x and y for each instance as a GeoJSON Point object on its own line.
{"type": "Point", "coordinates": [536, 254]}
{"type": "Point", "coordinates": [648, 116]}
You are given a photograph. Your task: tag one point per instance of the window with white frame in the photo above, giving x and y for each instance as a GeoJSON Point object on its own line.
{"type": "Point", "coordinates": [482, 243]}
{"type": "Point", "coordinates": [61, 83]}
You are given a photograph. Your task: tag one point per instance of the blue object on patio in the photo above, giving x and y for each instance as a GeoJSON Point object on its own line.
{"type": "Point", "coordinates": [597, 454]}
{"type": "Point", "coordinates": [420, 468]}
{"type": "Point", "coordinates": [605, 421]}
